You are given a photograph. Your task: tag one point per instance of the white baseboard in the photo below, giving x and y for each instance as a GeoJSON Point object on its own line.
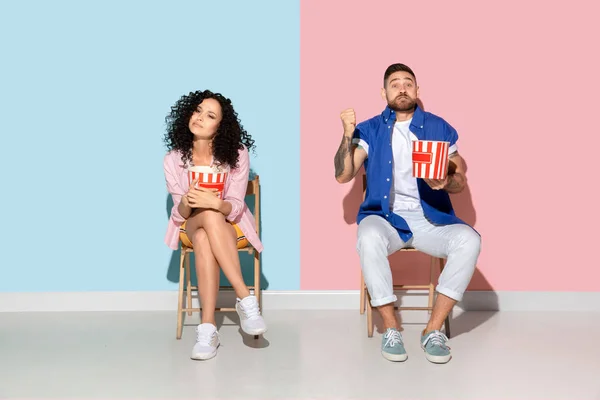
{"type": "Point", "coordinates": [294, 300]}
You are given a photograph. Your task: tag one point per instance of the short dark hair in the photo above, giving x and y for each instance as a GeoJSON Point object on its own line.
{"type": "Point", "coordinates": [396, 68]}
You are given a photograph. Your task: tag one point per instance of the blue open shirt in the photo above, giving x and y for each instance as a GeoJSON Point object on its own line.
{"type": "Point", "coordinates": [375, 135]}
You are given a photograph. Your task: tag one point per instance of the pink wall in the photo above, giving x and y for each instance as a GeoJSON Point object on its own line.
{"type": "Point", "coordinates": [517, 79]}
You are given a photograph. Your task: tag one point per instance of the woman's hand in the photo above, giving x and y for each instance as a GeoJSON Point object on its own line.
{"type": "Point", "coordinates": [199, 197]}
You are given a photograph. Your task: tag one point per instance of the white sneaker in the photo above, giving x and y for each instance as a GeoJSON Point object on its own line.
{"type": "Point", "coordinates": [250, 319]}
{"type": "Point", "coordinates": [207, 342]}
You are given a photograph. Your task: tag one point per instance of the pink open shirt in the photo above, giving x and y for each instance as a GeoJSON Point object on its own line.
{"type": "Point", "coordinates": [236, 184]}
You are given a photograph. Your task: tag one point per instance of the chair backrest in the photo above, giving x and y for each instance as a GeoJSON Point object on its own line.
{"type": "Point", "coordinates": [254, 190]}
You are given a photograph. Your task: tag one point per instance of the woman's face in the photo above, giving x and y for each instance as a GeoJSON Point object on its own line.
{"type": "Point", "coordinates": [205, 121]}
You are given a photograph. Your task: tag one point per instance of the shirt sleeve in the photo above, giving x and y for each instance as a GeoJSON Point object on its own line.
{"type": "Point", "coordinates": [450, 135]}
{"type": "Point", "coordinates": [360, 137]}
{"type": "Point", "coordinates": [236, 192]}
{"type": "Point", "coordinates": [174, 188]}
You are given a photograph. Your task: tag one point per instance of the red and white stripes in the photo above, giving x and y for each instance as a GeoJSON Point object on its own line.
{"type": "Point", "coordinates": [208, 178]}
{"type": "Point", "coordinates": [430, 159]}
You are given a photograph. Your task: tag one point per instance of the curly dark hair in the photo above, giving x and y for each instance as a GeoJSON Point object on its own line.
{"type": "Point", "coordinates": [230, 136]}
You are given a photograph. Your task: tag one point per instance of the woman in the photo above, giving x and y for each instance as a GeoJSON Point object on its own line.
{"type": "Point", "coordinates": [203, 130]}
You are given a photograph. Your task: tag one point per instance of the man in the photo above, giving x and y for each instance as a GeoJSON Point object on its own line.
{"type": "Point", "coordinates": [401, 211]}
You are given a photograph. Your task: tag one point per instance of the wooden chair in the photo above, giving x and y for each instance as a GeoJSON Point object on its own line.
{"type": "Point", "coordinates": [185, 271]}
{"type": "Point", "coordinates": [365, 298]}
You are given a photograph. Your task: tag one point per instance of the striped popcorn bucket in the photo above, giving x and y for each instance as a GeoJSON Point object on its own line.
{"type": "Point", "coordinates": [430, 159]}
{"type": "Point", "coordinates": [208, 177]}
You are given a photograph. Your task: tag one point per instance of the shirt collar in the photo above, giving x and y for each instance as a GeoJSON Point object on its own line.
{"type": "Point", "coordinates": [417, 119]}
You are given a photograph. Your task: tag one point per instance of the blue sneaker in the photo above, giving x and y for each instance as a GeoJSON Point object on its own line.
{"type": "Point", "coordinates": [392, 347]}
{"type": "Point", "coordinates": [434, 345]}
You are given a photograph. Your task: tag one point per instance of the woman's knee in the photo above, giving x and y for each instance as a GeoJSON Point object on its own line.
{"type": "Point", "coordinates": [199, 238]}
{"type": "Point", "coordinates": [212, 219]}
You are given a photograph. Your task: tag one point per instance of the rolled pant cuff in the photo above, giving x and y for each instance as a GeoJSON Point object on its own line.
{"type": "Point", "coordinates": [383, 301]}
{"type": "Point", "coordinates": [450, 293]}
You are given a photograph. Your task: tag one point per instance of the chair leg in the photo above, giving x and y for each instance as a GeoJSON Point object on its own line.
{"type": "Point", "coordinates": [431, 285]}
{"type": "Point", "coordinates": [180, 294]}
{"type": "Point", "coordinates": [369, 316]}
{"type": "Point", "coordinates": [188, 272]}
{"type": "Point", "coordinates": [362, 293]}
{"type": "Point", "coordinates": [257, 281]}
{"type": "Point", "coordinates": [257, 277]}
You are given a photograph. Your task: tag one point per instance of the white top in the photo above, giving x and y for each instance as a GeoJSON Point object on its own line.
{"type": "Point", "coordinates": [404, 195]}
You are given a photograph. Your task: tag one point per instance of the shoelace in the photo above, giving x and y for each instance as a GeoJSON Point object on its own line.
{"type": "Point", "coordinates": [393, 338]}
{"type": "Point", "coordinates": [436, 338]}
{"type": "Point", "coordinates": [250, 310]}
{"type": "Point", "coordinates": [204, 338]}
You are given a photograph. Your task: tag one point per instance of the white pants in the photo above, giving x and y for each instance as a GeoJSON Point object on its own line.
{"type": "Point", "coordinates": [377, 239]}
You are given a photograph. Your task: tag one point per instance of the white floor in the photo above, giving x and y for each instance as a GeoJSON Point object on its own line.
{"type": "Point", "coordinates": [305, 355]}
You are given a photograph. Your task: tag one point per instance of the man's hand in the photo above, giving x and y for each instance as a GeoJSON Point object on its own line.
{"type": "Point", "coordinates": [349, 157]}
{"type": "Point", "coordinates": [455, 180]}
{"type": "Point", "coordinates": [437, 184]}
{"type": "Point", "coordinates": [348, 118]}
{"type": "Point", "coordinates": [343, 157]}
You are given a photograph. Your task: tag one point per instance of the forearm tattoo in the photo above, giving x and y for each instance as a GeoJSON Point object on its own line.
{"type": "Point", "coordinates": [344, 151]}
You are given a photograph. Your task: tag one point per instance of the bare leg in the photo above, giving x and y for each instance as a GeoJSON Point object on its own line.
{"type": "Point", "coordinates": [207, 271]}
{"type": "Point", "coordinates": [223, 243]}
{"type": "Point", "coordinates": [388, 314]}
{"type": "Point", "coordinates": [441, 309]}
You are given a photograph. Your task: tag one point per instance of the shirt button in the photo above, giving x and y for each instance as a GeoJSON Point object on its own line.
{"type": "Point", "coordinates": [386, 215]}
{"type": "Point", "coordinates": [390, 162]}
{"type": "Point", "coordinates": [421, 126]}
{"type": "Point", "coordinates": [388, 179]}
{"type": "Point", "coordinates": [389, 126]}
{"type": "Point", "coordinates": [385, 197]}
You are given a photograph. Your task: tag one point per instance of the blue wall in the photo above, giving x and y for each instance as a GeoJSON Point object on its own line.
{"type": "Point", "coordinates": [85, 87]}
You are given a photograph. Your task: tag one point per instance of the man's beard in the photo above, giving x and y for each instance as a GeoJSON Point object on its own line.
{"type": "Point", "coordinates": [400, 106]}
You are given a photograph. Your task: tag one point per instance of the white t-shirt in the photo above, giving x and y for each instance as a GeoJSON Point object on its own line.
{"type": "Point", "coordinates": [404, 195]}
